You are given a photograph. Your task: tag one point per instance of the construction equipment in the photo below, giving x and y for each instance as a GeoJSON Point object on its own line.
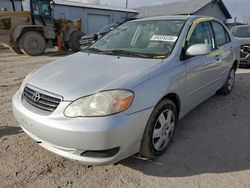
{"type": "Point", "coordinates": [33, 28]}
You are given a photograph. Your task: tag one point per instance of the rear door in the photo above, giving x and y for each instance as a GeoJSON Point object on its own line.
{"type": "Point", "coordinates": [224, 53]}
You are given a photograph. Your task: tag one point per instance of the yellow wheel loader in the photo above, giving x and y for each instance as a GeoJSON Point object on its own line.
{"type": "Point", "coordinates": [33, 28]}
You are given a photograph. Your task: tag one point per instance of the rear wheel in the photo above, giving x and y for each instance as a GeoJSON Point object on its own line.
{"type": "Point", "coordinates": [32, 43]}
{"type": "Point", "coordinates": [159, 130]}
{"type": "Point", "coordinates": [74, 41]}
{"type": "Point", "coordinates": [227, 88]}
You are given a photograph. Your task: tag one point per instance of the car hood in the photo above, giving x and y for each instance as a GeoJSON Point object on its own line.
{"type": "Point", "coordinates": [88, 36]}
{"type": "Point", "coordinates": [83, 74]}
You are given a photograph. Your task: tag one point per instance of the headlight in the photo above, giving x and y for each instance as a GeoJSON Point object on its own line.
{"type": "Point", "coordinates": [101, 104]}
{"type": "Point", "coordinates": [26, 79]}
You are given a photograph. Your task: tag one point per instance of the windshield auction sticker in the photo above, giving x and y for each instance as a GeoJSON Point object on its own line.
{"type": "Point", "coordinates": [164, 38]}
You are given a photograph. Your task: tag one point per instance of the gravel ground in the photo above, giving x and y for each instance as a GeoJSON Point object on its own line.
{"type": "Point", "coordinates": [211, 146]}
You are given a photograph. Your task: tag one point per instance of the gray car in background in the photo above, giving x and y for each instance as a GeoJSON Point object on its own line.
{"type": "Point", "coordinates": [242, 34]}
{"type": "Point", "coordinates": [125, 93]}
{"type": "Point", "coordinates": [87, 40]}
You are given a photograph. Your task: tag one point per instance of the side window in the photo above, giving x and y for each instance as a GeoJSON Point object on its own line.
{"type": "Point", "coordinates": [202, 34]}
{"type": "Point", "coordinates": [221, 35]}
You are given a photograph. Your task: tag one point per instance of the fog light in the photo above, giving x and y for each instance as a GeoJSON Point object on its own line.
{"type": "Point", "coordinates": [101, 153]}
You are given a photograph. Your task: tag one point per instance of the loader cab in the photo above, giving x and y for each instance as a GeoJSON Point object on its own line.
{"type": "Point", "coordinates": [41, 10]}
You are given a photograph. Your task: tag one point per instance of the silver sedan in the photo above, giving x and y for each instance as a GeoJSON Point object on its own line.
{"type": "Point", "coordinates": [125, 93]}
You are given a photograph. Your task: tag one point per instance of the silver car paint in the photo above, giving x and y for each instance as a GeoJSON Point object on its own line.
{"type": "Point", "coordinates": [82, 74]}
{"type": "Point", "coordinates": [75, 135]}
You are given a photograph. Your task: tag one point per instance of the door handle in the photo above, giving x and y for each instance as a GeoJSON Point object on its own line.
{"type": "Point", "coordinates": [231, 48]}
{"type": "Point", "coordinates": [217, 57]}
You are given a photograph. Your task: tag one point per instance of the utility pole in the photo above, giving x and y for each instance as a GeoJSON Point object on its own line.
{"type": "Point", "coordinates": [126, 3]}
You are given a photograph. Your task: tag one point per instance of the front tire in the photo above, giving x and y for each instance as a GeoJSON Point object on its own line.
{"type": "Point", "coordinates": [159, 130]}
{"type": "Point", "coordinates": [227, 88]}
{"type": "Point", "coordinates": [74, 41]}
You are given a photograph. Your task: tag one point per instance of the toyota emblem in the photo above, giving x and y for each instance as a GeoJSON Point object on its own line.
{"type": "Point", "coordinates": [36, 97]}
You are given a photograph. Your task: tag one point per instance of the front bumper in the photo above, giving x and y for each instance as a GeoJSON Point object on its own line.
{"type": "Point", "coordinates": [70, 137]}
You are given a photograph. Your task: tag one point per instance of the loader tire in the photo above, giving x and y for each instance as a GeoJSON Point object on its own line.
{"type": "Point", "coordinates": [32, 43]}
{"type": "Point", "coordinates": [74, 41]}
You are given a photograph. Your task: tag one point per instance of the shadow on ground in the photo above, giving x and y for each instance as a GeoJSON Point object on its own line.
{"type": "Point", "coordinates": [7, 131]}
{"type": "Point", "coordinates": [213, 138]}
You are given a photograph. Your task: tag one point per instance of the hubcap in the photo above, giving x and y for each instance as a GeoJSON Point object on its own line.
{"type": "Point", "coordinates": [34, 44]}
{"type": "Point", "coordinates": [163, 130]}
{"type": "Point", "coordinates": [231, 80]}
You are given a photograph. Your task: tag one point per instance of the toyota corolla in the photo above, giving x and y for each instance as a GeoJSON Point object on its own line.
{"type": "Point", "coordinates": [125, 93]}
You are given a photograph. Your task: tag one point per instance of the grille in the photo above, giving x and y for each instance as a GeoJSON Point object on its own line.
{"type": "Point", "coordinates": [41, 100]}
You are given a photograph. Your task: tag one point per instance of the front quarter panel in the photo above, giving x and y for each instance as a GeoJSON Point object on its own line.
{"type": "Point", "coordinates": [168, 78]}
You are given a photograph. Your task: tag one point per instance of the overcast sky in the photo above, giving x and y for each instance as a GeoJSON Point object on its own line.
{"type": "Point", "coordinates": [238, 8]}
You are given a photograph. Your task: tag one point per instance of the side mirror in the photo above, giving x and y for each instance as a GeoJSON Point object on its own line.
{"type": "Point", "coordinates": [97, 35]}
{"type": "Point", "coordinates": [198, 49]}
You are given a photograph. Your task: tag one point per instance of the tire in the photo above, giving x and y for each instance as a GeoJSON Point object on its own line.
{"type": "Point", "coordinates": [158, 136]}
{"type": "Point", "coordinates": [16, 50]}
{"type": "Point", "coordinates": [32, 43]}
{"type": "Point", "coordinates": [74, 41]}
{"type": "Point", "coordinates": [227, 88]}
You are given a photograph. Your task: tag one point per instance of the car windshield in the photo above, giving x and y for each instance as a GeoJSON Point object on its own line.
{"type": "Point", "coordinates": [147, 39]}
{"type": "Point", "coordinates": [243, 32]}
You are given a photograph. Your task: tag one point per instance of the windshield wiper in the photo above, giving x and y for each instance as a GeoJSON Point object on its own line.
{"type": "Point", "coordinates": [125, 52]}
{"type": "Point", "coordinates": [97, 50]}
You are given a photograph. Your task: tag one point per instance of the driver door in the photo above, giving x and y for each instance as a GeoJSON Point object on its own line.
{"type": "Point", "coordinates": [201, 70]}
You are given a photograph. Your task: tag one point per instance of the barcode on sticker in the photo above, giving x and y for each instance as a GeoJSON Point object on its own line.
{"type": "Point", "coordinates": [164, 38]}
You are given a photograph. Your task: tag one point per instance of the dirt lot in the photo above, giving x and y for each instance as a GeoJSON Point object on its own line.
{"type": "Point", "coordinates": [211, 149]}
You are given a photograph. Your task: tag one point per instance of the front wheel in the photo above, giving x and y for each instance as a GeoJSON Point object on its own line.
{"type": "Point", "coordinates": [74, 41]}
{"type": "Point", "coordinates": [227, 88]}
{"type": "Point", "coordinates": [159, 130]}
